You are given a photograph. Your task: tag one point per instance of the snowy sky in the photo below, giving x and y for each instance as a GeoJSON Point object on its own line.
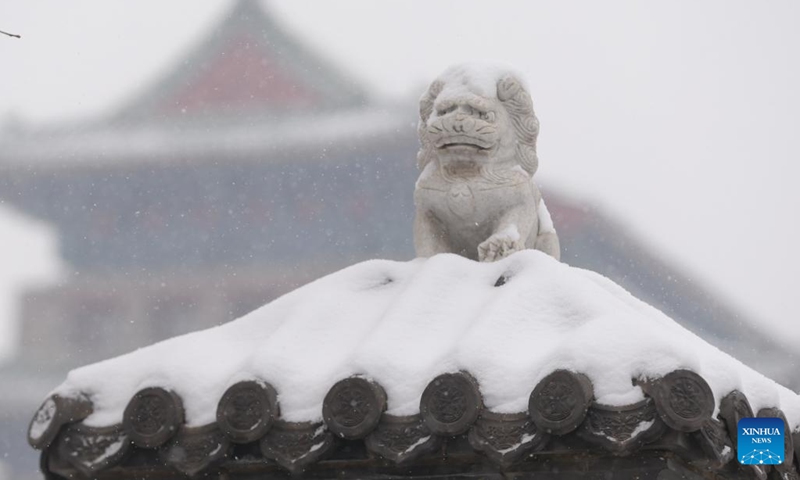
{"type": "Point", "coordinates": [679, 117]}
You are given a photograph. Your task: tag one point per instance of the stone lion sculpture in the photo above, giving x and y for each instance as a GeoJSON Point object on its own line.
{"type": "Point", "coordinates": [475, 195]}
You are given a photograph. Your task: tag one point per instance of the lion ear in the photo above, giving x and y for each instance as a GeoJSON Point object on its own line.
{"type": "Point", "coordinates": [507, 88]}
{"type": "Point", "coordinates": [427, 99]}
{"type": "Point", "coordinates": [424, 156]}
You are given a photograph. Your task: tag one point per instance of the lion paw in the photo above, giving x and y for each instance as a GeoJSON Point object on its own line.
{"type": "Point", "coordinates": [499, 245]}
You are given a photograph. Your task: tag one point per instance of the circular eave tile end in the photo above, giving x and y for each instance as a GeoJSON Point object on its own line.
{"type": "Point", "coordinates": [558, 404]}
{"type": "Point", "coordinates": [44, 425]}
{"type": "Point", "coordinates": [55, 412]}
{"type": "Point", "coordinates": [247, 410]}
{"type": "Point", "coordinates": [353, 407]}
{"type": "Point", "coordinates": [152, 417]}
{"type": "Point", "coordinates": [451, 403]}
{"type": "Point", "coordinates": [684, 400]}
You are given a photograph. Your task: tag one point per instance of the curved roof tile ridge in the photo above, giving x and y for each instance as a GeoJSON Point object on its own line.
{"type": "Point", "coordinates": [517, 358]}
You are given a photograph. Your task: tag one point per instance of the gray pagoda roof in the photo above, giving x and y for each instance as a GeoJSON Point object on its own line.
{"type": "Point", "coordinates": [247, 89]}
{"type": "Point", "coordinates": [247, 65]}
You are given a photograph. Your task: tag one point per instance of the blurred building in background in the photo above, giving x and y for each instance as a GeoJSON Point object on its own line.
{"type": "Point", "coordinates": [251, 168]}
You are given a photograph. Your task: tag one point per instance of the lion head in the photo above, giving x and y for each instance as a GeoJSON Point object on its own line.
{"type": "Point", "coordinates": [466, 120]}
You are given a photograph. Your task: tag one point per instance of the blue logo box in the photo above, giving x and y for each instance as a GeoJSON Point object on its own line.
{"type": "Point", "coordinates": [760, 441]}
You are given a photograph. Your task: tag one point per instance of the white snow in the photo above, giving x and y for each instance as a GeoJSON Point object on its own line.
{"type": "Point", "coordinates": [477, 78]}
{"type": "Point", "coordinates": [522, 441]}
{"type": "Point", "coordinates": [43, 419]}
{"type": "Point", "coordinates": [216, 450]}
{"type": "Point", "coordinates": [319, 431]}
{"type": "Point", "coordinates": [641, 428]}
{"type": "Point", "coordinates": [403, 323]}
{"type": "Point", "coordinates": [545, 221]}
{"type": "Point", "coordinates": [109, 450]}
{"type": "Point", "coordinates": [511, 232]}
{"type": "Point", "coordinates": [416, 444]}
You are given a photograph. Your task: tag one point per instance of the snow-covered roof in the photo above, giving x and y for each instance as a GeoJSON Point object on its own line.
{"type": "Point", "coordinates": [526, 339]}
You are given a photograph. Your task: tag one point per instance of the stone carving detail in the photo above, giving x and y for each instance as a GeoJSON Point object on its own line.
{"type": "Point", "coordinates": [296, 445]}
{"type": "Point", "coordinates": [451, 403]}
{"type": "Point", "coordinates": [55, 412]}
{"type": "Point", "coordinates": [506, 437]}
{"type": "Point", "coordinates": [622, 429]}
{"type": "Point", "coordinates": [402, 439]}
{"type": "Point", "coordinates": [734, 407]}
{"type": "Point", "coordinates": [475, 196]}
{"type": "Point", "coordinates": [93, 449]}
{"type": "Point", "coordinates": [684, 400]}
{"type": "Point", "coordinates": [559, 402]}
{"type": "Point", "coordinates": [152, 417]}
{"type": "Point", "coordinates": [194, 449]}
{"type": "Point", "coordinates": [788, 444]}
{"type": "Point", "coordinates": [247, 410]}
{"type": "Point", "coordinates": [353, 407]}
{"type": "Point", "coordinates": [715, 442]}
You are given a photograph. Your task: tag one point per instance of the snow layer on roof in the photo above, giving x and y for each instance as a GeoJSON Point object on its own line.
{"type": "Point", "coordinates": [404, 323]}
